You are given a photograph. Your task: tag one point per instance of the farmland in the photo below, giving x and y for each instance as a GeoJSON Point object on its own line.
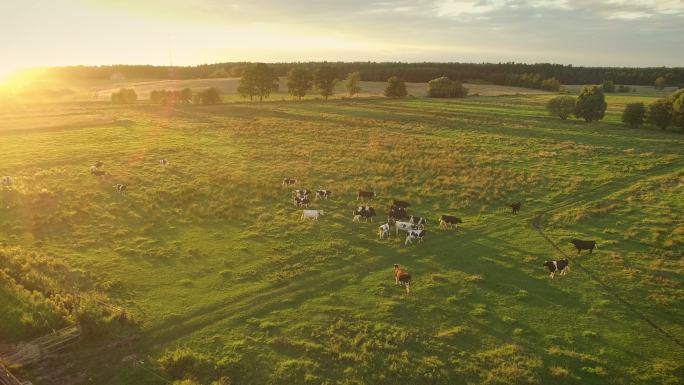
{"type": "Point", "coordinates": [208, 254]}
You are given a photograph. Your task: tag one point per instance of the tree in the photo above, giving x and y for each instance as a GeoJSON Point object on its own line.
{"type": "Point", "coordinates": [351, 83]}
{"type": "Point", "coordinates": [551, 84]}
{"type": "Point", "coordinates": [157, 95]}
{"type": "Point", "coordinates": [299, 80]}
{"type": "Point", "coordinates": [209, 96]}
{"type": "Point", "coordinates": [446, 88]}
{"type": "Point", "coordinates": [325, 78]}
{"type": "Point", "coordinates": [396, 88]}
{"type": "Point", "coordinates": [634, 114]}
{"type": "Point", "coordinates": [185, 95]}
{"type": "Point", "coordinates": [677, 100]}
{"type": "Point", "coordinates": [125, 95]}
{"type": "Point", "coordinates": [660, 113]}
{"type": "Point", "coordinates": [608, 86]}
{"type": "Point", "coordinates": [259, 81]}
{"type": "Point", "coordinates": [591, 104]}
{"type": "Point", "coordinates": [561, 106]}
{"type": "Point", "coordinates": [660, 83]}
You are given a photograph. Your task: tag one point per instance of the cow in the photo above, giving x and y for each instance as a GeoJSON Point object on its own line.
{"type": "Point", "coordinates": [404, 226]}
{"type": "Point", "coordinates": [365, 212]}
{"type": "Point", "coordinates": [396, 213]}
{"type": "Point", "coordinates": [402, 277]}
{"type": "Point", "coordinates": [560, 266]}
{"type": "Point", "coordinates": [446, 221]}
{"type": "Point", "coordinates": [383, 230]}
{"type": "Point", "coordinates": [97, 172]}
{"type": "Point", "coordinates": [583, 245]}
{"type": "Point", "coordinates": [163, 162]}
{"type": "Point", "coordinates": [402, 204]}
{"type": "Point", "coordinates": [515, 207]}
{"type": "Point", "coordinates": [301, 201]}
{"type": "Point", "coordinates": [287, 182]}
{"type": "Point", "coordinates": [311, 214]}
{"type": "Point", "coordinates": [120, 188]}
{"type": "Point", "coordinates": [414, 234]}
{"type": "Point", "coordinates": [365, 195]}
{"type": "Point", "coordinates": [7, 180]}
{"type": "Point", "coordinates": [98, 164]}
{"type": "Point", "coordinates": [420, 222]}
{"type": "Point", "coordinates": [303, 193]}
{"type": "Point", "coordinates": [323, 194]}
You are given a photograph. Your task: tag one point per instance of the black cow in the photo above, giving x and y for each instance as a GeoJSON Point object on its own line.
{"type": "Point", "coordinates": [560, 266]}
{"type": "Point", "coordinates": [396, 213]}
{"type": "Point", "coordinates": [323, 194]}
{"type": "Point", "coordinates": [365, 195]}
{"type": "Point", "coordinates": [515, 207]}
{"type": "Point", "coordinates": [583, 245]}
{"type": "Point", "coordinates": [418, 221]}
{"type": "Point", "coordinates": [448, 221]}
{"type": "Point", "coordinates": [402, 204]}
{"type": "Point", "coordinates": [365, 212]}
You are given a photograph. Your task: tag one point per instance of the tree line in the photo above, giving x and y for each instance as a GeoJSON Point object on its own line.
{"type": "Point", "coordinates": [497, 73]}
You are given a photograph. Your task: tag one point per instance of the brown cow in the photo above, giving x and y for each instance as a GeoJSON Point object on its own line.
{"type": "Point", "coordinates": [402, 277]}
{"type": "Point", "coordinates": [515, 207]}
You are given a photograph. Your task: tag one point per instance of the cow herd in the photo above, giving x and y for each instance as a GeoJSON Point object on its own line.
{"type": "Point", "coordinates": [399, 220]}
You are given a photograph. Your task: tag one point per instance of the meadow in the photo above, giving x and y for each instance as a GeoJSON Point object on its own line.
{"type": "Point", "coordinates": [222, 281]}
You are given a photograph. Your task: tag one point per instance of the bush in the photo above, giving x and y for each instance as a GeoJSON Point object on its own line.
{"type": "Point", "coordinates": [660, 113]}
{"type": "Point", "coordinates": [551, 84]}
{"type": "Point", "coordinates": [677, 100]}
{"type": "Point", "coordinates": [660, 83]}
{"type": "Point", "coordinates": [125, 95]}
{"type": "Point", "coordinates": [396, 88]}
{"type": "Point", "coordinates": [184, 363]}
{"type": "Point", "coordinates": [446, 88]}
{"type": "Point", "coordinates": [208, 96]}
{"type": "Point", "coordinates": [608, 86]}
{"type": "Point", "coordinates": [634, 114]}
{"type": "Point", "coordinates": [561, 106]}
{"type": "Point", "coordinates": [591, 104]}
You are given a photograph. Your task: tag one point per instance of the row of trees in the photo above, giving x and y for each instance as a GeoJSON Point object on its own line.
{"type": "Point", "coordinates": [498, 73]}
{"type": "Point", "coordinates": [171, 96]}
{"type": "Point", "coordinates": [590, 105]}
{"type": "Point", "coordinates": [609, 87]}
{"type": "Point", "coordinates": [536, 81]}
{"type": "Point", "coordinates": [662, 113]}
{"type": "Point", "coordinates": [125, 95]}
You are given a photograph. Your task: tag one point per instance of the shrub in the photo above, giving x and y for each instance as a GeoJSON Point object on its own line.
{"type": "Point", "coordinates": [659, 83]}
{"type": "Point", "coordinates": [396, 88]}
{"type": "Point", "coordinates": [185, 363]}
{"type": "Point", "coordinates": [660, 113]}
{"type": "Point", "coordinates": [677, 100]}
{"type": "Point", "coordinates": [608, 86]}
{"type": "Point", "coordinates": [125, 95]}
{"type": "Point", "coordinates": [209, 96]}
{"type": "Point", "coordinates": [591, 104]}
{"type": "Point", "coordinates": [550, 84]}
{"type": "Point", "coordinates": [446, 88]}
{"type": "Point", "coordinates": [561, 106]}
{"type": "Point", "coordinates": [634, 114]}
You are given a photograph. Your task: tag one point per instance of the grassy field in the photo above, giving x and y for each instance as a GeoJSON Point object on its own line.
{"type": "Point", "coordinates": [209, 256]}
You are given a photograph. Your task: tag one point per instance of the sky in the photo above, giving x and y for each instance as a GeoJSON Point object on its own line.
{"type": "Point", "coordinates": [187, 32]}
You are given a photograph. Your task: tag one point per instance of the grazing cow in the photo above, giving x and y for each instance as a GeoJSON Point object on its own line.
{"type": "Point", "coordinates": [448, 221]}
{"type": "Point", "coordinates": [515, 207]}
{"type": "Point", "coordinates": [287, 182]}
{"type": "Point", "coordinates": [414, 234]}
{"type": "Point", "coordinates": [98, 164]}
{"type": "Point", "coordinates": [323, 194]}
{"type": "Point", "coordinates": [301, 201]}
{"type": "Point", "coordinates": [383, 230]}
{"type": "Point", "coordinates": [402, 204]}
{"type": "Point", "coordinates": [7, 180]}
{"type": "Point", "coordinates": [365, 195]}
{"type": "Point", "coordinates": [404, 226]}
{"type": "Point", "coordinates": [583, 245]}
{"type": "Point", "coordinates": [560, 266]}
{"type": "Point", "coordinates": [311, 214]}
{"type": "Point", "coordinates": [163, 162]}
{"type": "Point", "coordinates": [365, 212]}
{"type": "Point", "coordinates": [97, 172]}
{"type": "Point", "coordinates": [420, 222]}
{"type": "Point", "coordinates": [120, 188]}
{"type": "Point", "coordinates": [303, 193]}
{"type": "Point", "coordinates": [402, 277]}
{"type": "Point", "coordinates": [396, 213]}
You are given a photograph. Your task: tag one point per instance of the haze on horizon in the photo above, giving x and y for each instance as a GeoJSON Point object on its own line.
{"type": "Point", "coordinates": [96, 32]}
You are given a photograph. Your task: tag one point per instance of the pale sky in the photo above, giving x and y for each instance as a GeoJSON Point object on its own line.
{"type": "Point", "coordinates": [582, 32]}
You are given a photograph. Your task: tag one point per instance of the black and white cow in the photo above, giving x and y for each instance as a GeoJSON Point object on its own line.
{"type": "Point", "coordinates": [7, 180]}
{"type": "Point", "coordinates": [163, 162]}
{"type": "Point", "coordinates": [365, 195]}
{"type": "Point", "coordinates": [414, 234]}
{"type": "Point", "coordinates": [583, 245]}
{"type": "Point", "coordinates": [383, 230]}
{"type": "Point", "coordinates": [303, 193]}
{"type": "Point", "coordinates": [120, 188]}
{"type": "Point", "coordinates": [420, 222]}
{"type": "Point", "coordinates": [287, 182]}
{"type": "Point", "coordinates": [404, 226]}
{"type": "Point", "coordinates": [301, 201]}
{"type": "Point", "coordinates": [446, 221]}
{"type": "Point", "coordinates": [323, 194]}
{"type": "Point", "coordinates": [515, 207]}
{"type": "Point", "coordinates": [560, 266]}
{"type": "Point", "coordinates": [402, 204]}
{"type": "Point", "coordinates": [365, 212]}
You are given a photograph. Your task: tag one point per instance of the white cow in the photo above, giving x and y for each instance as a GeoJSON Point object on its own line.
{"type": "Point", "coordinates": [404, 226]}
{"type": "Point", "coordinates": [311, 214]}
{"type": "Point", "coordinates": [163, 162]}
{"type": "Point", "coordinates": [383, 230]}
